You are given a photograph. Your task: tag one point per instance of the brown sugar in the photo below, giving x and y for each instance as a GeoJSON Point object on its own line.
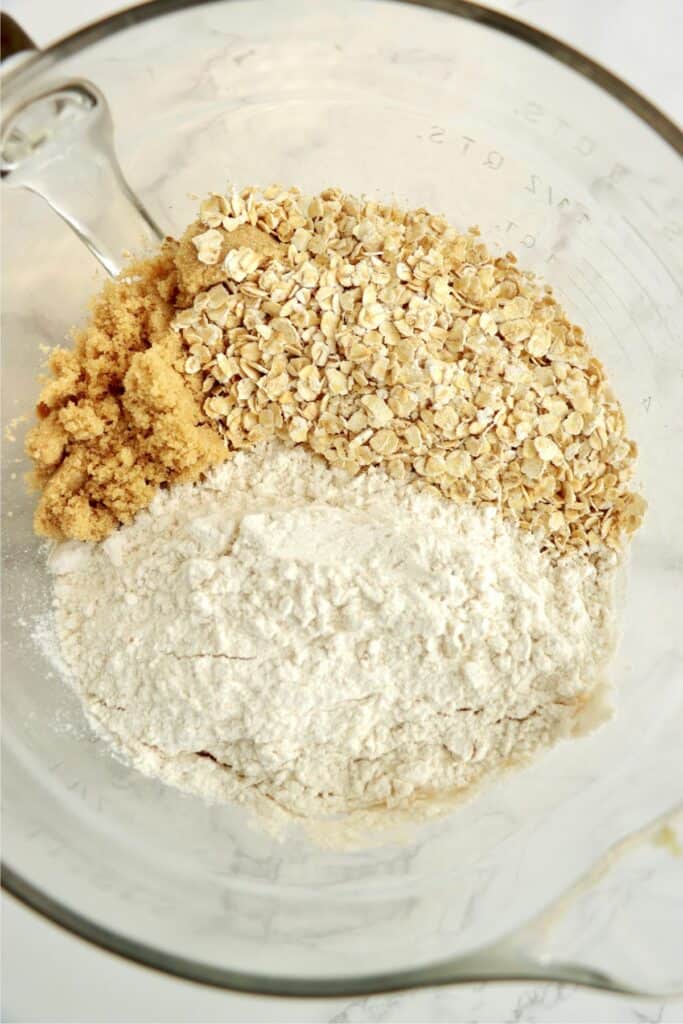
{"type": "Point", "coordinates": [117, 420]}
{"type": "Point", "coordinates": [195, 276]}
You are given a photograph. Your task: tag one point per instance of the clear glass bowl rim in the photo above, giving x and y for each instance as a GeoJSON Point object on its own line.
{"type": "Point", "coordinates": [457, 970]}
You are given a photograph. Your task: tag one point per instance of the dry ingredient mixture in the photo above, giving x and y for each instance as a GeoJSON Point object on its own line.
{"type": "Point", "coordinates": [401, 487]}
{"type": "Point", "coordinates": [374, 335]}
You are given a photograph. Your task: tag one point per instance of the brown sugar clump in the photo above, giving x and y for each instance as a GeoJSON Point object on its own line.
{"type": "Point", "coordinates": [117, 420]}
{"type": "Point", "coordinates": [194, 275]}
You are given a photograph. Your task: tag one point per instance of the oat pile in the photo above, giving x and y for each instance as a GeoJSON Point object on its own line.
{"type": "Point", "coordinates": [370, 334]}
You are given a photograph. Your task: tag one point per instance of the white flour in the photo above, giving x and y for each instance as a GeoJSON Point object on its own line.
{"type": "Point", "coordinates": [287, 637]}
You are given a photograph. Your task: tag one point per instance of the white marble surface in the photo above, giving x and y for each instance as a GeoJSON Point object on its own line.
{"type": "Point", "coordinates": [51, 976]}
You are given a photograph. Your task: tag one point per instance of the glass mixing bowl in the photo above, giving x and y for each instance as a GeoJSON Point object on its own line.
{"type": "Point", "coordinates": [472, 114]}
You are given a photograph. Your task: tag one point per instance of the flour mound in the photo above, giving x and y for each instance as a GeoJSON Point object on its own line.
{"type": "Point", "coordinates": [283, 635]}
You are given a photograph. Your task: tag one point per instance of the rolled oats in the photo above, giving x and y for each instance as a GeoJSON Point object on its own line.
{"type": "Point", "coordinates": [381, 336]}
{"type": "Point", "coordinates": [208, 244]}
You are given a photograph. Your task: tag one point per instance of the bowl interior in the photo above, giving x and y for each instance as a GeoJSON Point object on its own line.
{"type": "Point", "coordinates": [391, 100]}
